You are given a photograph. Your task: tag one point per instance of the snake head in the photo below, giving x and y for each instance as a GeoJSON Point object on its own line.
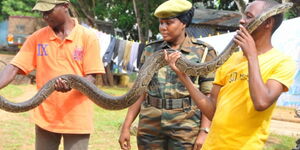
{"type": "Point", "coordinates": [269, 12]}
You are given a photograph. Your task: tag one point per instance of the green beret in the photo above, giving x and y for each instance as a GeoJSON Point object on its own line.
{"type": "Point", "coordinates": [172, 8]}
{"type": "Point", "coordinates": [46, 5]}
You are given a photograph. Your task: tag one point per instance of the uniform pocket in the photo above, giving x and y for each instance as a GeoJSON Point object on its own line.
{"type": "Point", "coordinates": [193, 114]}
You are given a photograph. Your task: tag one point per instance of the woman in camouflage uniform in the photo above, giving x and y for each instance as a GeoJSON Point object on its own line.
{"type": "Point", "coordinates": [168, 117]}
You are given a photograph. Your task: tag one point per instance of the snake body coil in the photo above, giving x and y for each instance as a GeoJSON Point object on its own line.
{"type": "Point", "coordinates": [151, 65]}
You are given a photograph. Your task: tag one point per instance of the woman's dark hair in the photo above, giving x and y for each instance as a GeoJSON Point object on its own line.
{"type": "Point", "coordinates": [186, 17]}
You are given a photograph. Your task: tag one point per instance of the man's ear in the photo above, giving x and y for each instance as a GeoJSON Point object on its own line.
{"type": "Point", "coordinates": [269, 23]}
{"type": "Point", "coordinates": [184, 25]}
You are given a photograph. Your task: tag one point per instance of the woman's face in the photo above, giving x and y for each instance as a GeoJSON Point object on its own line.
{"type": "Point", "coordinates": [171, 29]}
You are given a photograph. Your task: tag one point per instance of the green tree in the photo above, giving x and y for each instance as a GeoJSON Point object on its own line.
{"type": "Point", "coordinates": [121, 13]}
{"type": "Point", "coordinates": [17, 8]}
{"type": "Point", "coordinates": [135, 24]}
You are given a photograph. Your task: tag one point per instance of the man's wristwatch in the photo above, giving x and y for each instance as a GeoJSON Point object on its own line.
{"type": "Point", "coordinates": [206, 130]}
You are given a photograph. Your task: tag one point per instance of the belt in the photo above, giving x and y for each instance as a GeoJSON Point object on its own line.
{"type": "Point", "coordinates": [162, 103]}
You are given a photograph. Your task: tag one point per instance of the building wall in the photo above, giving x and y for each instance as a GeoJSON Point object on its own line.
{"type": "Point", "coordinates": [24, 24]}
{"type": "Point", "coordinates": [3, 33]}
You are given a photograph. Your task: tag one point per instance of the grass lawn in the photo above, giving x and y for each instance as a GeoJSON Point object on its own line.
{"type": "Point", "coordinates": [17, 132]}
{"type": "Point", "coordinates": [280, 142]}
{"type": "Point", "coordinates": [7, 52]}
{"type": "Point", "coordinates": [11, 91]}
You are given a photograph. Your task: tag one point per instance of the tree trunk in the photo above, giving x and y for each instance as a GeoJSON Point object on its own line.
{"type": "Point", "coordinates": [241, 5]}
{"type": "Point", "coordinates": [138, 20]}
{"type": "Point", "coordinates": [296, 7]}
{"type": "Point", "coordinates": [146, 19]}
{"type": "Point", "coordinates": [109, 74]}
{"type": "Point", "coordinates": [73, 11]}
{"type": "Point", "coordinates": [87, 7]}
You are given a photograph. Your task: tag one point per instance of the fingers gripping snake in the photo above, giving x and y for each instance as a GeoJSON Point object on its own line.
{"type": "Point", "coordinates": [152, 64]}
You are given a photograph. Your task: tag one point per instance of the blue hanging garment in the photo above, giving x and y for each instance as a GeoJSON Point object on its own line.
{"type": "Point", "coordinates": [295, 88]}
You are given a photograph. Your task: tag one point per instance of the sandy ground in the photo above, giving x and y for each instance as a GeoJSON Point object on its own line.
{"type": "Point", "coordinates": [5, 57]}
{"type": "Point", "coordinates": [284, 122]}
{"type": "Point", "coordinates": [285, 128]}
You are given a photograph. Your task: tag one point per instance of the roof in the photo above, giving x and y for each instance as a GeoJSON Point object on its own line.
{"type": "Point", "coordinates": [197, 31]}
{"type": "Point", "coordinates": [219, 18]}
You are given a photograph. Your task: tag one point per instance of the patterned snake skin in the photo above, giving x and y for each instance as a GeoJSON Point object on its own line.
{"type": "Point", "coordinates": [152, 64]}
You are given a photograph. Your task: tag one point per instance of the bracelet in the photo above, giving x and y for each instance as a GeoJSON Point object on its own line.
{"type": "Point", "coordinates": [206, 130]}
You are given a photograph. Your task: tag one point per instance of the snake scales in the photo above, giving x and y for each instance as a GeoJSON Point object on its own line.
{"type": "Point", "coordinates": [152, 64]}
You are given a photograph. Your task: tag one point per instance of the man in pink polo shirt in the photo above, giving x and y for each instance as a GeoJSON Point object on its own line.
{"type": "Point", "coordinates": [63, 47]}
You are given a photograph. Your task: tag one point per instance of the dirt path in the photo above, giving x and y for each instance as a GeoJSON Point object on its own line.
{"type": "Point", "coordinates": [284, 122]}
{"type": "Point", "coordinates": [6, 57]}
{"type": "Point", "coordinates": [285, 128]}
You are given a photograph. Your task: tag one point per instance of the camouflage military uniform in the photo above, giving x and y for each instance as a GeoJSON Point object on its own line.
{"type": "Point", "coordinates": [165, 127]}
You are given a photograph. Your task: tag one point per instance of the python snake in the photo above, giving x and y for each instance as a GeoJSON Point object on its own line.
{"type": "Point", "coordinates": [152, 64]}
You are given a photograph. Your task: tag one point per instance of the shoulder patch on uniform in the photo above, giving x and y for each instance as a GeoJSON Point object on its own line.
{"type": "Point", "coordinates": [155, 42]}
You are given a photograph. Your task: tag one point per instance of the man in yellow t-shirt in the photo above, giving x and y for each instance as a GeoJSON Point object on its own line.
{"type": "Point", "coordinates": [63, 47]}
{"type": "Point", "coordinates": [246, 87]}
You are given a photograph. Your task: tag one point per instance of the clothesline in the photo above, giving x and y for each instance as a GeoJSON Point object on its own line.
{"type": "Point", "coordinates": [123, 55]}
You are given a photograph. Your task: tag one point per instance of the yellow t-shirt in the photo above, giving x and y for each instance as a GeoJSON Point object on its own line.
{"type": "Point", "coordinates": [236, 124]}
